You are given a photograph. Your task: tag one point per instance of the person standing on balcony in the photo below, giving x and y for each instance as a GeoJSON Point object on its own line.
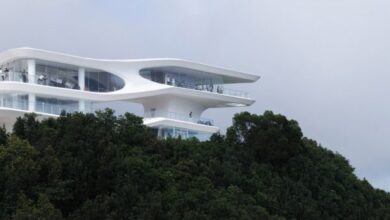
{"type": "Point", "coordinates": [190, 114]}
{"type": "Point", "coordinates": [6, 71]}
{"type": "Point", "coordinates": [24, 76]}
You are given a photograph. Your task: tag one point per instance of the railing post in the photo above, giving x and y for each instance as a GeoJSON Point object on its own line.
{"type": "Point", "coordinates": [31, 78]}
{"type": "Point", "coordinates": [81, 78]}
{"type": "Point", "coordinates": [81, 82]}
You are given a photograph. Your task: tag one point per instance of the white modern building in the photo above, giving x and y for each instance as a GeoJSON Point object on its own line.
{"type": "Point", "coordinates": [173, 92]}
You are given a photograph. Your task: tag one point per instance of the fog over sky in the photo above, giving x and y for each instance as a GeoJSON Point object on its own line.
{"type": "Point", "coordinates": [324, 63]}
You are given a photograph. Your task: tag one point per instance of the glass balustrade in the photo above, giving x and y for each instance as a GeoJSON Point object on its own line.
{"type": "Point", "coordinates": [214, 88]}
{"type": "Point", "coordinates": [21, 104]}
{"type": "Point", "coordinates": [60, 75]}
{"type": "Point", "coordinates": [214, 84]}
{"type": "Point", "coordinates": [92, 84]}
{"type": "Point", "coordinates": [54, 109]}
{"type": "Point", "coordinates": [38, 79]}
{"type": "Point", "coordinates": [42, 105]}
{"type": "Point", "coordinates": [174, 132]}
{"type": "Point", "coordinates": [178, 116]}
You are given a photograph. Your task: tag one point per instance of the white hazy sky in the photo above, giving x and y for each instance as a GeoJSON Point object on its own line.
{"type": "Point", "coordinates": [324, 63]}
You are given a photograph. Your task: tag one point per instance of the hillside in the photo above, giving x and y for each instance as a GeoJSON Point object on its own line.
{"type": "Point", "coordinates": [100, 166]}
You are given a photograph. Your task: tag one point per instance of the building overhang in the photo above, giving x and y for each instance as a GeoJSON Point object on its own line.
{"type": "Point", "coordinates": [168, 122]}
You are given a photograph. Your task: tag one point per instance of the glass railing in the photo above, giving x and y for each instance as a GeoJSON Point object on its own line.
{"type": "Point", "coordinates": [20, 104]}
{"type": "Point", "coordinates": [234, 92]}
{"type": "Point", "coordinates": [38, 79]}
{"type": "Point", "coordinates": [54, 109]}
{"type": "Point", "coordinates": [178, 116]}
{"type": "Point", "coordinates": [14, 76]}
{"type": "Point", "coordinates": [209, 88]}
{"type": "Point", "coordinates": [207, 83]}
{"type": "Point", "coordinates": [175, 132]}
{"type": "Point", "coordinates": [114, 83]}
{"type": "Point", "coordinates": [42, 107]}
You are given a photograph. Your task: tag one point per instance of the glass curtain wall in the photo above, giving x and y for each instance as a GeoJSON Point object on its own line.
{"type": "Point", "coordinates": [210, 84]}
{"type": "Point", "coordinates": [55, 106]}
{"type": "Point", "coordinates": [14, 71]}
{"type": "Point", "coordinates": [97, 81]}
{"type": "Point", "coordinates": [173, 132]}
{"type": "Point", "coordinates": [16, 101]}
{"type": "Point", "coordinates": [60, 75]}
{"type": "Point", "coordinates": [204, 82]}
{"type": "Point", "coordinates": [52, 75]}
{"type": "Point", "coordinates": [42, 104]}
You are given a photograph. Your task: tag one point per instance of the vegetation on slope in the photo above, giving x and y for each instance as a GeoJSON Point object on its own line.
{"type": "Point", "coordinates": [100, 166]}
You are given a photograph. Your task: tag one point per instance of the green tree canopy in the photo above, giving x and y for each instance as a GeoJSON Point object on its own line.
{"type": "Point", "coordinates": [103, 166]}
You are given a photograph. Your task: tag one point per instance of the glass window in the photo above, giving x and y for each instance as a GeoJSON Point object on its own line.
{"type": "Point", "coordinates": [14, 71]}
{"type": "Point", "coordinates": [55, 106]}
{"type": "Point", "coordinates": [97, 81]}
{"type": "Point", "coordinates": [181, 77]}
{"type": "Point", "coordinates": [60, 75]}
{"type": "Point", "coordinates": [57, 76]}
{"type": "Point", "coordinates": [173, 132]}
{"type": "Point", "coordinates": [16, 101]}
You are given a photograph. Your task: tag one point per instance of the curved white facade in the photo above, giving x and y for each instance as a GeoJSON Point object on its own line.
{"type": "Point", "coordinates": [174, 92]}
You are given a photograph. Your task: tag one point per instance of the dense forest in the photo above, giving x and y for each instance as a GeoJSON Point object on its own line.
{"type": "Point", "coordinates": [102, 166]}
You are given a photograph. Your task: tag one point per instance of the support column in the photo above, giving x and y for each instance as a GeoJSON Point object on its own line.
{"type": "Point", "coordinates": [31, 79]}
{"type": "Point", "coordinates": [31, 70]}
{"type": "Point", "coordinates": [81, 82]}
{"type": "Point", "coordinates": [81, 78]}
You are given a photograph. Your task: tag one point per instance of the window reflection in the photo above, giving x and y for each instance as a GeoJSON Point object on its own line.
{"type": "Point", "coordinates": [210, 84]}
{"type": "Point", "coordinates": [57, 76]}
{"type": "Point", "coordinates": [16, 101]}
{"type": "Point", "coordinates": [55, 106]}
{"type": "Point", "coordinates": [97, 81]}
{"type": "Point", "coordinates": [190, 79]}
{"type": "Point", "coordinates": [174, 132]}
{"type": "Point", "coordinates": [60, 75]}
{"type": "Point", "coordinates": [43, 104]}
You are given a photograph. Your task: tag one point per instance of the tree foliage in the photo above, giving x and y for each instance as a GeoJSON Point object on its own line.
{"type": "Point", "coordinates": [102, 166]}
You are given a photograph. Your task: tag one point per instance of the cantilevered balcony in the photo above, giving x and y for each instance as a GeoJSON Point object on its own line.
{"type": "Point", "coordinates": [54, 74]}
{"type": "Point", "coordinates": [39, 79]}
{"type": "Point", "coordinates": [202, 83]}
{"type": "Point", "coordinates": [179, 116]}
{"type": "Point", "coordinates": [68, 82]}
{"type": "Point", "coordinates": [41, 105]}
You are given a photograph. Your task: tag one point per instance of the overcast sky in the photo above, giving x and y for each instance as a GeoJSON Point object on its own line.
{"type": "Point", "coordinates": [324, 63]}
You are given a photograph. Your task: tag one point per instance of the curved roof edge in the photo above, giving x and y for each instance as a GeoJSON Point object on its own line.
{"type": "Point", "coordinates": [232, 75]}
